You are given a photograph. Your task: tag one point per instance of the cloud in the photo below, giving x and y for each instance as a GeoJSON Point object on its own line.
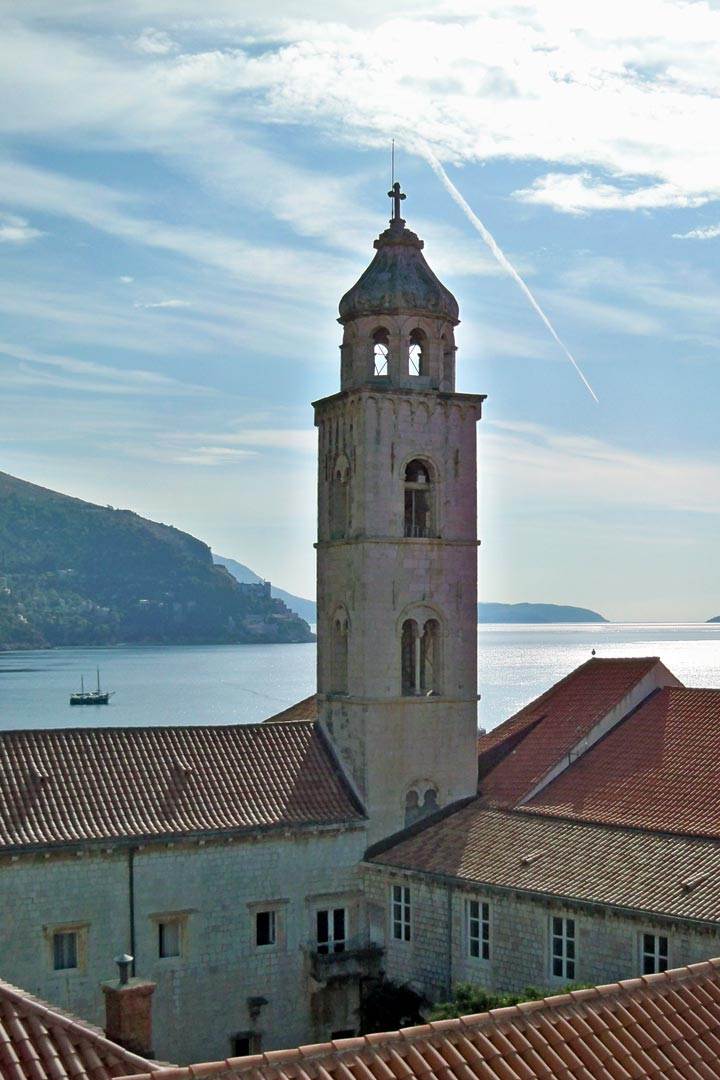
{"type": "Point", "coordinates": [68, 372]}
{"type": "Point", "coordinates": [154, 42]}
{"type": "Point", "coordinates": [708, 233]}
{"type": "Point", "coordinates": [539, 465]}
{"type": "Point", "coordinates": [620, 98]}
{"type": "Point", "coordinates": [125, 279]}
{"type": "Point", "coordinates": [164, 304]}
{"type": "Point", "coordinates": [580, 193]}
{"type": "Point", "coordinates": [16, 230]}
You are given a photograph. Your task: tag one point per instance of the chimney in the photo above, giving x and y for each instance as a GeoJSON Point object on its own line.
{"type": "Point", "coordinates": [128, 1010]}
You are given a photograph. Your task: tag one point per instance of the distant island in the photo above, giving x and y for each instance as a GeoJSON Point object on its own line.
{"type": "Point", "coordinates": [715, 618]}
{"type": "Point", "coordinates": [487, 613]}
{"type": "Point", "coordinates": [536, 613]}
{"type": "Point", "coordinates": [73, 573]}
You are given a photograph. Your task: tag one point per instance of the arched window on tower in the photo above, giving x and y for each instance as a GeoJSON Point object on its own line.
{"type": "Point", "coordinates": [417, 353]}
{"type": "Point", "coordinates": [339, 494]}
{"type": "Point", "coordinates": [381, 351]}
{"type": "Point", "coordinates": [418, 499]}
{"type": "Point", "coordinates": [416, 807]}
{"type": "Point", "coordinates": [339, 656]}
{"type": "Point", "coordinates": [420, 652]}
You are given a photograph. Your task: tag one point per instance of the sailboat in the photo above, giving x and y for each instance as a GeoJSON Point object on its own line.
{"type": "Point", "coordinates": [91, 697]}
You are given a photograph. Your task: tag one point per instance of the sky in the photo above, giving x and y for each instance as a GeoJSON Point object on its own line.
{"type": "Point", "coordinates": [186, 190]}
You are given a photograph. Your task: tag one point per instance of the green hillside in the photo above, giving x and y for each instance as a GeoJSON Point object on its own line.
{"type": "Point", "coordinates": [72, 573]}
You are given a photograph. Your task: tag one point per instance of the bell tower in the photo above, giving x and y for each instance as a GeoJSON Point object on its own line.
{"type": "Point", "coordinates": [397, 540]}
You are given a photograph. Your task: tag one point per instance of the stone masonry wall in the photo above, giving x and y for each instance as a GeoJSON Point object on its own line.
{"type": "Point", "coordinates": [201, 999]}
{"type": "Point", "coordinates": [608, 943]}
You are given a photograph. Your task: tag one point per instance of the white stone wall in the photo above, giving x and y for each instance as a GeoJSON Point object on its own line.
{"type": "Point", "coordinates": [608, 942]}
{"type": "Point", "coordinates": [201, 998]}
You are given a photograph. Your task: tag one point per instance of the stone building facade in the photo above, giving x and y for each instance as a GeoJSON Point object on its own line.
{"type": "Point", "coordinates": [260, 875]}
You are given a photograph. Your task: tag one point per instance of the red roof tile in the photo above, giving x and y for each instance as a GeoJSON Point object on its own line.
{"type": "Point", "coordinates": [515, 756]}
{"type": "Point", "coordinates": [39, 1042]}
{"type": "Point", "coordinates": [307, 709]}
{"type": "Point", "coordinates": [674, 876]}
{"type": "Point", "coordinates": [611, 1031]}
{"type": "Point", "coordinates": [658, 769]}
{"type": "Point", "coordinates": [65, 786]}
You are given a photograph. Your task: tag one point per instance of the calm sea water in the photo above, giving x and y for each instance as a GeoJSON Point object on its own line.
{"type": "Point", "coordinates": [226, 684]}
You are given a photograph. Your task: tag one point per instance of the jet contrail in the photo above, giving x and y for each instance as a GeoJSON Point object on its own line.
{"type": "Point", "coordinates": [501, 258]}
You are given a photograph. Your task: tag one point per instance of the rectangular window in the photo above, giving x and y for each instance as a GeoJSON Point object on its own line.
{"type": "Point", "coordinates": [563, 955]}
{"type": "Point", "coordinates": [245, 1042]}
{"type": "Point", "coordinates": [169, 941]}
{"type": "Point", "coordinates": [331, 926]}
{"type": "Point", "coordinates": [265, 928]}
{"type": "Point", "coordinates": [477, 921]}
{"type": "Point", "coordinates": [65, 950]}
{"type": "Point", "coordinates": [400, 914]}
{"type": "Point", "coordinates": [654, 953]}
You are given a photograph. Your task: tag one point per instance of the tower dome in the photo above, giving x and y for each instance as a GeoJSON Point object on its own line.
{"type": "Point", "coordinates": [398, 279]}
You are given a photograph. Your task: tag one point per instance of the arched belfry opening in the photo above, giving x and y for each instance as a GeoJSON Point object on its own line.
{"type": "Point", "coordinates": [417, 353]}
{"type": "Point", "coordinates": [419, 500]}
{"type": "Point", "coordinates": [381, 351]}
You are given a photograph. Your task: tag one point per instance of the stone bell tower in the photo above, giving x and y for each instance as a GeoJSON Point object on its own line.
{"type": "Point", "coordinates": [397, 540]}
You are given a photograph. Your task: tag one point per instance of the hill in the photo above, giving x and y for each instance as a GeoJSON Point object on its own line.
{"type": "Point", "coordinates": [487, 613]}
{"type": "Point", "coordinates": [536, 613]}
{"type": "Point", "coordinates": [304, 608]}
{"type": "Point", "coordinates": [72, 573]}
{"type": "Point", "coordinates": [715, 618]}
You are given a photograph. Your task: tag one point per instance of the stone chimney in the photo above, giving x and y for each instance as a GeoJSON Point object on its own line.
{"type": "Point", "coordinates": [128, 1010]}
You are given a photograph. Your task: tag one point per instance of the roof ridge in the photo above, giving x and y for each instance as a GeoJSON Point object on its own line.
{"type": "Point", "coordinates": [258, 724]}
{"type": "Point", "coordinates": [527, 1011]}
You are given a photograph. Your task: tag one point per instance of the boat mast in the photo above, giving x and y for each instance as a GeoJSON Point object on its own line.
{"type": "Point", "coordinates": [82, 684]}
{"type": "Point", "coordinates": [98, 680]}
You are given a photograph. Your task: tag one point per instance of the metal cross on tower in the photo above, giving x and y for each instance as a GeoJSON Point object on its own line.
{"type": "Point", "coordinates": [396, 195]}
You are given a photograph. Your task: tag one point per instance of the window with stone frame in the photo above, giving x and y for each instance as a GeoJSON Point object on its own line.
{"type": "Point", "coordinates": [339, 652]}
{"type": "Point", "coordinates": [563, 948]}
{"type": "Point", "coordinates": [65, 950]}
{"type": "Point", "coordinates": [418, 521]}
{"type": "Point", "coordinates": [477, 929]}
{"type": "Point", "coordinates": [339, 499]}
{"type": "Point", "coordinates": [654, 953]}
{"type": "Point", "coordinates": [420, 657]}
{"type": "Point", "coordinates": [265, 928]}
{"type": "Point", "coordinates": [170, 933]}
{"type": "Point", "coordinates": [331, 930]}
{"type": "Point", "coordinates": [400, 913]}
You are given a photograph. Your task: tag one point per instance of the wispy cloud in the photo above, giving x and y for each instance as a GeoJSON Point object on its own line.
{"type": "Point", "coordinates": [708, 233]}
{"type": "Point", "coordinates": [163, 304]}
{"type": "Point", "coordinates": [16, 230]}
{"type": "Point", "coordinates": [88, 376]}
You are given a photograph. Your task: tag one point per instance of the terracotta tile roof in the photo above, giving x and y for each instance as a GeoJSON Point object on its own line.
{"type": "Point", "coordinates": [307, 709]}
{"type": "Point", "coordinates": [517, 754]}
{"type": "Point", "coordinates": [658, 769]}
{"type": "Point", "coordinates": [664, 1025]}
{"type": "Point", "coordinates": [667, 875]}
{"type": "Point", "coordinates": [39, 1042]}
{"type": "Point", "coordinates": [65, 786]}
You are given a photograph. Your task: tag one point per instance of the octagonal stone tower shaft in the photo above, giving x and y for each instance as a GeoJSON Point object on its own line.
{"type": "Point", "coordinates": [397, 544]}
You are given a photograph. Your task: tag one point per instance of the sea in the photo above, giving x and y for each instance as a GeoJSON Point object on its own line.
{"type": "Point", "coordinates": [244, 684]}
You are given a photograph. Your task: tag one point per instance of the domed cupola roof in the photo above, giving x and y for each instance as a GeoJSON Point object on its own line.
{"type": "Point", "coordinates": [398, 279]}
